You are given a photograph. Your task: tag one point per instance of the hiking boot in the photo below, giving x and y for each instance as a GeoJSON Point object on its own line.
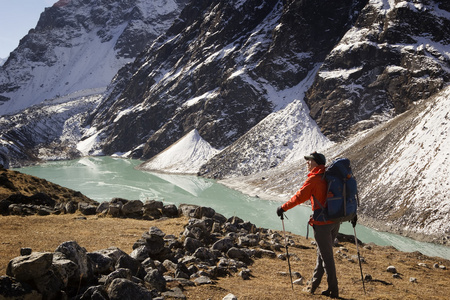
{"type": "Point", "coordinates": [331, 294]}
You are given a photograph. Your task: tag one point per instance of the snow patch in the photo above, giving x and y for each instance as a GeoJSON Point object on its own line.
{"type": "Point", "coordinates": [186, 156]}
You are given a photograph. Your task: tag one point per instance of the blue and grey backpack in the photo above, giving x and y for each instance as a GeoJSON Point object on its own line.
{"type": "Point", "coordinates": [342, 200]}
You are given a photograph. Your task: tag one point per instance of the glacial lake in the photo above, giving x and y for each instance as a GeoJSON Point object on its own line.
{"type": "Point", "coordinates": [103, 178]}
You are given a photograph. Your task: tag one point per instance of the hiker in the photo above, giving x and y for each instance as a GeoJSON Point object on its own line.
{"type": "Point", "coordinates": [325, 232]}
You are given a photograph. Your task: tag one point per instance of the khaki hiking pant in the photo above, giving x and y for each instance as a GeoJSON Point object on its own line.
{"type": "Point", "coordinates": [325, 236]}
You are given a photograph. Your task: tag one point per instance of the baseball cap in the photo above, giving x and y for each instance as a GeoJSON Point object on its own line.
{"type": "Point", "coordinates": [319, 158]}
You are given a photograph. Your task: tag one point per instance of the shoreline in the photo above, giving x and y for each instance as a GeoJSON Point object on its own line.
{"type": "Point", "coordinates": [247, 188]}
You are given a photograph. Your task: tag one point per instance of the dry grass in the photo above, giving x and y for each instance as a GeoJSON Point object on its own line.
{"type": "Point", "coordinates": [14, 182]}
{"type": "Point", "coordinates": [46, 233]}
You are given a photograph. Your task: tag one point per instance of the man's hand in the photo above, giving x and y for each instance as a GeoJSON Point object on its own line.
{"type": "Point", "coordinates": [280, 211]}
{"type": "Point", "coordinates": [354, 220]}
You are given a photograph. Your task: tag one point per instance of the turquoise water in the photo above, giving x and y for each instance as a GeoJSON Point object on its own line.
{"type": "Point", "coordinates": [103, 178]}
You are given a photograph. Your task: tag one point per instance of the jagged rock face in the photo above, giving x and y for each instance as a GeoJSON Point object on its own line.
{"type": "Point", "coordinates": [44, 132]}
{"type": "Point", "coordinates": [80, 45]}
{"type": "Point", "coordinates": [215, 69]}
{"type": "Point", "coordinates": [391, 58]}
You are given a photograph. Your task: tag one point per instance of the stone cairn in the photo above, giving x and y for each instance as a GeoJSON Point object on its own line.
{"type": "Point", "coordinates": [159, 267]}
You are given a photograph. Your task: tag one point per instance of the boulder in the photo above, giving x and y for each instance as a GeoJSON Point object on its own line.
{"type": "Point", "coordinates": [192, 244]}
{"type": "Point", "coordinates": [26, 268]}
{"type": "Point", "coordinates": [153, 204]}
{"type": "Point", "coordinates": [238, 254]}
{"type": "Point", "coordinates": [11, 288]}
{"type": "Point", "coordinates": [204, 254]}
{"type": "Point", "coordinates": [140, 253]}
{"type": "Point", "coordinates": [132, 209]}
{"type": "Point", "coordinates": [118, 200]}
{"type": "Point", "coordinates": [87, 208]}
{"type": "Point", "coordinates": [187, 210]}
{"type": "Point", "coordinates": [97, 292]}
{"type": "Point", "coordinates": [203, 211]}
{"type": "Point", "coordinates": [72, 251]}
{"type": "Point", "coordinates": [198, 229]}
{"type": "Point", "coordinates": [148, 264]}
{"type": "Point", "coordinates": [169, 266]}
{"type": "Point", "coordinates": [114, 210]}
{"type": "Point", "coordinates": [155, 279]}
{"type": "Point", "coordinates": [124, 289]}
{"type": "Point", "coordinates": [126, 261]}
{"type": "Point", "coordinates": [249, 240]}
{"type": "Point", "coordinates": [154, 241]}
{"type": "Point", "coordinates": [156, 231]}
{"type": "Point", "coordinates": [4, 206]}
{"type": "Point", "coordinates": [151, 214]}
{"type": "Point", "coordinates": [152, 209]}
{"type": "Point", "coordinates": [71, 207]}
{"type": "Point", "coordinates": [219, 218]}
{"type": "Point", "coordinates": [119, 273]}
{"type": "Point", "coordinates": [170, 211]}
{"type": "Point", "coordinates": [45, 210]}
{"type": "Point", "coordinates": [50, 285]}
{"type": "Point", "coordinates": [64, 268]}
{"type": "Point", "coordinates": [102, 208]}
{"type": "Point", "coordinates": [42, 199]}
{"type": "Point", "coordinates": [101, 263]}
{"type": "Point", "coordinates": [113, 253]}
{"type": "Point", "coordinates": [182, 271]}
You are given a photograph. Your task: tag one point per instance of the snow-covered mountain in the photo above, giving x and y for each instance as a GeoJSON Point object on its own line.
{"type": "Point", "coordinates": [402, 167]}
{"type": "Point", "coordinates": [251, 87]}
{"type": "Point", "coordinates": [186, 156]}
{"type": "Point", "coordinates": [79, 46]}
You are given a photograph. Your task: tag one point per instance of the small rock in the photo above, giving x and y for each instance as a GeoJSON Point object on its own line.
{"type": "Point", "coordinates": [299, 281]}
{"type": "Point", "coordinates": [422, 265]}
{"type": "Point", "coordinates": [367, 277]}
{"type": "Point", "coordinates": [245, 274]}
{"type": "Point", "coordinates": [367, 247]}
{"type": "Point", "coordinates": [391, 269]}
{"type": "Point", "coordinates": [413, 279]}
{"type": "Point", "coordinates": [203, 280]}
{"type": "Point", "coordinates": [281, 256]}
{"type": "Point", "coordinates": [230, 297]}
{"type": "Point", "coordinates": [25, 251]}
{"type": "Point", "coordinates": [174, 293]}
{"type": "Point", "coordinates": [396, 275]}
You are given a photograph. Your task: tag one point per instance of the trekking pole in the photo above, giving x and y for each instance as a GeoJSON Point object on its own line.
{"type": "Point", "coordinates": [359, 258]}
{"type": "Point", "coordinates": [287, 253]}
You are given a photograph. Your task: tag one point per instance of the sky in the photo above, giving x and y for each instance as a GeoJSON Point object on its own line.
{"type": "Point", "coordinates": [17, 17]}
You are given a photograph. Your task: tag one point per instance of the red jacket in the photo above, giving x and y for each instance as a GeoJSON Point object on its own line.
{"type": "Point", "coordinates": [314, 185]}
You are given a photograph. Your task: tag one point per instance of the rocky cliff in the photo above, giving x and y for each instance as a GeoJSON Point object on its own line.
{"type": "Point", "coordinates": [78, 46]}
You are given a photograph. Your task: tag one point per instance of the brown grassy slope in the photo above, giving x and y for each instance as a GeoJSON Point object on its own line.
{"type": "Point", "coordinates": [46, 233]}
{"type": "Point", "coordinates": [13, 182]}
